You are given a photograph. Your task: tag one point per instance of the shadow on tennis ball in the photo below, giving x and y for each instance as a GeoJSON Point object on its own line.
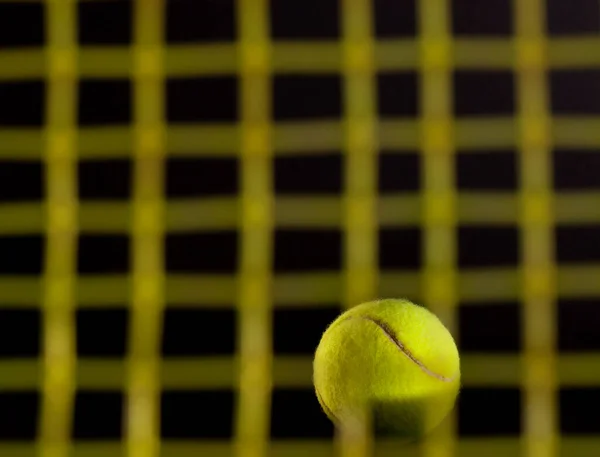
{"type": "Point", "coordinates": [405, 420]}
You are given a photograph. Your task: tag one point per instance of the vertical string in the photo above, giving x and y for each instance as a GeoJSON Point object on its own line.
{"type": "Point", "coordinates": [61, 232]}
{"type": "Point", "coordinates": [147, 301]}
{"type": "Point", "coordinates": [439, 194]}
{"type": "Point", "coordinates": [360, 179]}
{"type": "Point", "coordinates": [254, 326]}
{"type": "Point", "coordinates": [538, 276]}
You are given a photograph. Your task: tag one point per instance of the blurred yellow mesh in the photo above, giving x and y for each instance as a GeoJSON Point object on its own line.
{"type": "Point", "coordinates": [438, 209]}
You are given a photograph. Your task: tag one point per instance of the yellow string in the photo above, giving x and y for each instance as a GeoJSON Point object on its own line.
{"type": "Point", "coordinates": [252, 428]}
{"type": "Point", "coordinates": [359, 216]}
{"type": "Point", "coordinates": [439, 195]}
{"type": "Point", "coordinates": [539, 412]}
{"type": "Point", "coordinates": [147, 301]}
{"type": "Point", "coordinates": [61, 229]}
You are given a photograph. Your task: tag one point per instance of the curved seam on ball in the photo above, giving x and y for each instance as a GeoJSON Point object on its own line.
{"type": "Point", "coordinates": [324, 405]}
{"type": "Point", "coordinates": [392, 337]}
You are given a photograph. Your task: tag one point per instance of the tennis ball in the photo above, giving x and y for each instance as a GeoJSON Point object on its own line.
{"type": "Point", "coordinates": [394, 361]}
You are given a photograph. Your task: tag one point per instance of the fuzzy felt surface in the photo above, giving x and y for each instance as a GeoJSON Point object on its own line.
{"type": "Point", "coordinates": [392, 358]}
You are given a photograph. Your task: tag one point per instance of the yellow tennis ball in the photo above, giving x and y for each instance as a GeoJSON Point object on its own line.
{"type": "Point", "coordinates": [394, 361]}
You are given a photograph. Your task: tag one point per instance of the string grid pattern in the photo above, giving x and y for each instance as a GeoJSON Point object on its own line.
{"type": "Point", "coordinates": [190, 191]}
